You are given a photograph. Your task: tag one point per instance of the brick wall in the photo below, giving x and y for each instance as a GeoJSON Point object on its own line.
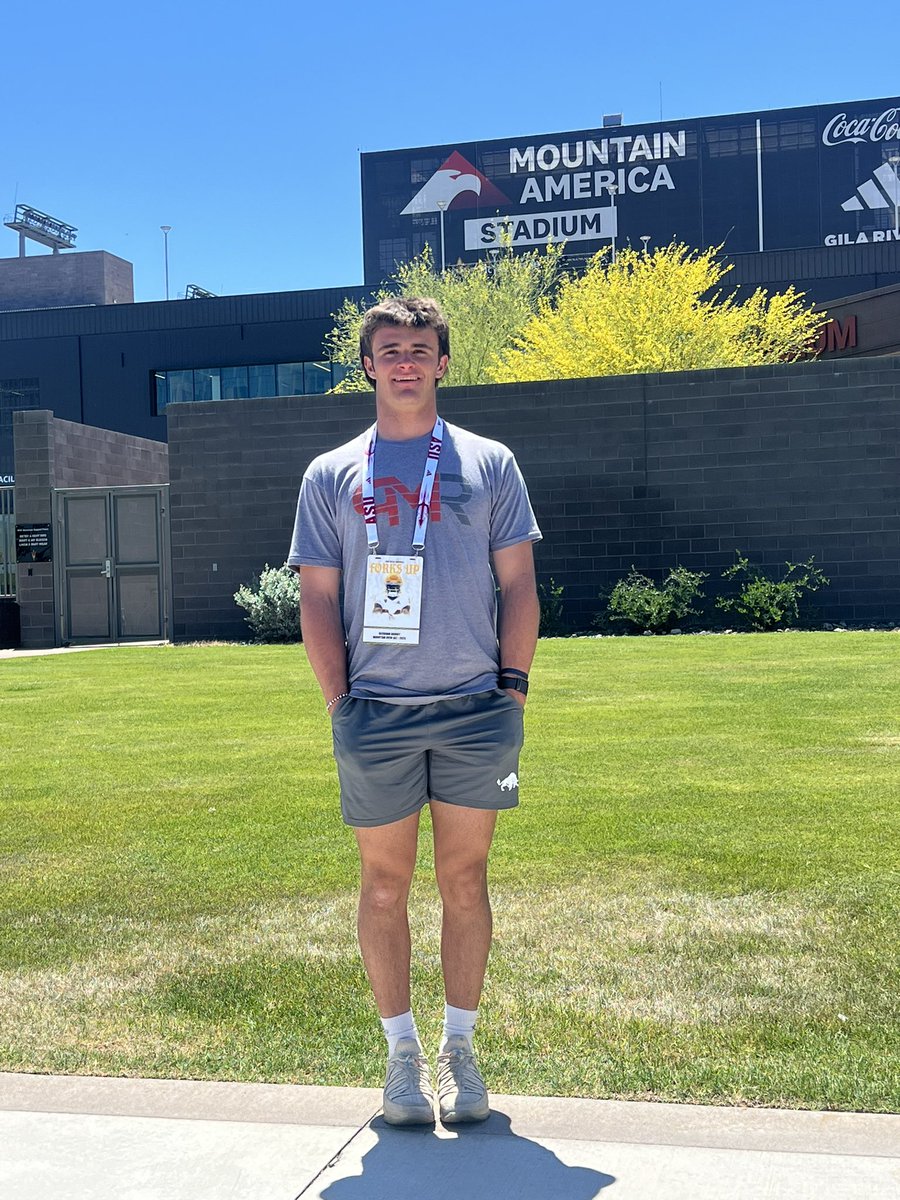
{"type": "Point", "coordinates": [51, 453]}
{"type": "Point", "coordinates": [779, 462]}
{"type": "Point", "coordinates": [57, 280]}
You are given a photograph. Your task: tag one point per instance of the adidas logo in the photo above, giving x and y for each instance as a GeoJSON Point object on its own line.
{"type": "Point", "coordinates": [881, 191]}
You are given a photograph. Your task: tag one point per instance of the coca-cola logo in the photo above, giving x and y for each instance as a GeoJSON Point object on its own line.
{"type": "Point", "coordinates": [841, 128]}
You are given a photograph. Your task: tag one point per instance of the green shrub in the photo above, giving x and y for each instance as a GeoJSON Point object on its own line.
{"type": "Point", "coordinates": [273, 605]}
{"type": "Point", "coordinates": [646, 607]}
{"type": "Point", "coordinates": [551, 601]}
{"type": "Point", "coordinates": [768, 603]}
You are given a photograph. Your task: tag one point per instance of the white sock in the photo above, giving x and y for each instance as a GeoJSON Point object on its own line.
{"type": "Point", "coordinates": [396, 1028]}
{"type": "Point", "coordinates": [459, 1022]}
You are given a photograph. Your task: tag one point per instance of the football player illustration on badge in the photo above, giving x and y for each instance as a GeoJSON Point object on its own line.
{"type": "Point", "coordinates": [392, 602]}
{"type": "Point", "coordinates": [393, 605]}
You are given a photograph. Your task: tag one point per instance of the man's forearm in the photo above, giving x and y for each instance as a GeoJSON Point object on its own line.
{"type": "Point", "coordinates": [323, 640]}
{"type": "Point", "coordinates": [520, 615]}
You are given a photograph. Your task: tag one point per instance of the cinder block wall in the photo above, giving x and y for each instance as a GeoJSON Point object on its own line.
{"type": "Point", "coordinates": [59, 280]}
{"type": "Point", "coordinates": [51, 453]}
{"type": "Point", "coordinates": [780, 462]}
{"type": "Point", "coordinates": [234, 470]}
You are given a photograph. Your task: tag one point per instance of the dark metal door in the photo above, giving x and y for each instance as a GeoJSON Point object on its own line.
{"type": "Point", "coordinates": [114, 551]}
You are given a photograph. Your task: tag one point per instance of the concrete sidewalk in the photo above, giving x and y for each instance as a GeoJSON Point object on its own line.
{"type": "Point", "coordinates": [99, 1139]}
{"type": "Point", "coordinates": [78, 649]}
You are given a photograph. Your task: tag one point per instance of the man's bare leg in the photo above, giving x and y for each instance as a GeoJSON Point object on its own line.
{"type": "Point", "coordinates": [387, 861]}
{"type": "Point", "coordinates": [462, 841]}
{"type": "Point", "coordinates": [388, 858]}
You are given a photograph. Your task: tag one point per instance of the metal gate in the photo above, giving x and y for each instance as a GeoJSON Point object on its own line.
{"type": "Point", "coordinates": [7, 542]}
{"type": "Point", "coordinates": [112, 563]}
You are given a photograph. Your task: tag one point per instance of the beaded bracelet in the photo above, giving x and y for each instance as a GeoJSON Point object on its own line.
{"type": "Point", "coordinates": [334, 699]}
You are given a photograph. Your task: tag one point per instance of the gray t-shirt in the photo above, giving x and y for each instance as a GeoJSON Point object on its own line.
{"type": "Point", "coordinates": [479, 505]}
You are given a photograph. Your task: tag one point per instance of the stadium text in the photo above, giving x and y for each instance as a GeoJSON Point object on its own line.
{"type": "Point", "coordinates": [574, 226]}
{"type": "Point", "coordinates": [572, 155]}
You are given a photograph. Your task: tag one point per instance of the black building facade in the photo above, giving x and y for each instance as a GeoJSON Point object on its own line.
{"type": "Point", "coordinates": [118, 366]}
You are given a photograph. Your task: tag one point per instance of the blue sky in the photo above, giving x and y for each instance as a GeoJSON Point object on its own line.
{"type": "Point", "coordinates": [241, 125]}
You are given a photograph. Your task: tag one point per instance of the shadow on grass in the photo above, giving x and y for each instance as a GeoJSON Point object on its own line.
{"type": "Point", "coordinates": [487, 1159]}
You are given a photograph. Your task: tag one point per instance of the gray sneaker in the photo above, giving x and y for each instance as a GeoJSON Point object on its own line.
{"type": "Point", "coordinates": [461, 1091]}
{"type": "Point", "coordinates": [408, 1094]}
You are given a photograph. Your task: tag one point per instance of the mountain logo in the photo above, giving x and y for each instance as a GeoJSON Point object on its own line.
{"type": "Point", "coordinates": [455, 184]}
{"type": "Point", "coordinates": [882, 190]}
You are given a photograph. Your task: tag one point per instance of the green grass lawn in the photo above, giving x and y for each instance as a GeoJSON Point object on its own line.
{"type": "Point", "coordinates": [696, 900]}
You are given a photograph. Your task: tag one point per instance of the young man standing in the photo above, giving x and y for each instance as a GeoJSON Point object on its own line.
{"type": "Point", "coordinates": [426, 706]}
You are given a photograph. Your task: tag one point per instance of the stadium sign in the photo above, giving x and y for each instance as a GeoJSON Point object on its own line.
{"type": "Point", "coordinates": [782, 179]}
{"type": "Point", "coordinates": [580, 225]}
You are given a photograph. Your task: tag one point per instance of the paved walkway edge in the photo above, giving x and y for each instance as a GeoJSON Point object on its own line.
{"type": "Point", "coordinates": [787, 1130]}
{"type": "Point", "coordinates": [19, 653]}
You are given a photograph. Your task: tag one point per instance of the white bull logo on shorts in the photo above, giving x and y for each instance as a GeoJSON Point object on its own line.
{"type": "Point", "coordinates": [510, 782]}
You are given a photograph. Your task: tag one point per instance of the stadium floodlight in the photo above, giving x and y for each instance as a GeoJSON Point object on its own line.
{"type": "Point", "coordinates": [612, 188]}
{"type": "Point", "coordinates": [894, 160]}
{"type": "Point", "coordinates": [166, 230]}
{"type": "Point", "coordinates": [194, 291]}
{"type": "Point", "coordinates": [442, 204]}
{"type": "Point", "coordinates": [28, 222]}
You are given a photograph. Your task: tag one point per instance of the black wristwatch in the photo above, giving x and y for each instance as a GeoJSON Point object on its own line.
{"type": "Point", "coordinates": [512, 680]}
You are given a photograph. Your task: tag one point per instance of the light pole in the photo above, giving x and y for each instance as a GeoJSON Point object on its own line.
{"type": "Point", "coordinates": [612, 189]}
{"type": "Point", "coordinates": [894, 160]}
{"type": "Point", "coordinates": [442, 204]}
{"type": "Point", "coordinates": [166, 230]}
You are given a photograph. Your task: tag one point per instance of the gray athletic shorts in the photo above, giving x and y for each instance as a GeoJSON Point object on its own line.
{"type": "Point", "coordinates": [392, 759]}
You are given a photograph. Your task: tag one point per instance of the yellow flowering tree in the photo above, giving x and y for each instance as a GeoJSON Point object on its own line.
{"type": "Point", "coordinates": [659, 311]}
{"type": "Point", "coordinates": [487, 303]}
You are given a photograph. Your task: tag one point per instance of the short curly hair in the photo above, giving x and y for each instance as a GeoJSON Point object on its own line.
{"type": "Point", "coordinates": [411, 312]}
